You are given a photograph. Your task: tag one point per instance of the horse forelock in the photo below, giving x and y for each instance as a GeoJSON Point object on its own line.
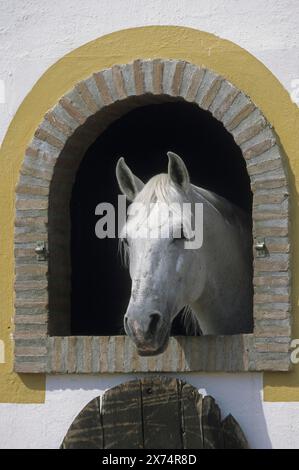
{"type": "Point", "coordinates": [160, 188]}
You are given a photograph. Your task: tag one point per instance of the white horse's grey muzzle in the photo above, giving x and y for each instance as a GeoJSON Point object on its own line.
{"type": "Point", "coordinates": [146, 330]}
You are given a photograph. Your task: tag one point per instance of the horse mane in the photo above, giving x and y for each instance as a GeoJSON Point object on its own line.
{"type": "Point", "coordinates": [229, 211]}
{"type": "Point", "coordinates": [160, 188]}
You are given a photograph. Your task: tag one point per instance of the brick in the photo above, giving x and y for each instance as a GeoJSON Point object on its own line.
{"type": "Point", "coordinates": [33, 190]}
{"type": "Point", "coordinates": [37, 294]}
{"type": "Point", "coordinates": [80, 355]}
{"type": "Point", "coordinates": [263, 264]}
{"type": "Point", "coordinates": [87, 354]}
{"type": "Point", "coordinates": [24, 214]}
{"type": "Point", "coordinates": [138, 77]}
{"type": "Point", "coordinates": [258, 149]}
{"type": "Point", "coordinates": [261, 298]}
{"type": "Point", "coordinates": [36, 203]}
{"type": "Point", "coordinates": [239, 110]}
{"type": "Point", "coordinates": [30, 310]}
{"type": "Point", "coordinates": [32, 152]}
{"type": "Point", "coordinates": [33, 368]}
{"type": "Point", "coordinates": [278, 247]}
{"type": "Point", "coordinates": [28, 335]}
{"type": "Point", "coordinates": [169, 70]}
{"type": "Point", "coordinates": [30, 351]}
{"type": "Point", "coordinates": [273, 280]}
{"type": "Point", "coordinates": [264, 346]}
{"type": "Point", "coordinates": [158, 67]}
{"type": "Point", "coordinates": [128, 77]}
{"type": "Point", "coordinates": [31, 342]}
{"type": "Point", "coordinates": [191, 80]}
{"type": "Point", "coordinates": [270, 215]}
{"type": "Point", "coordinates": [30, 237]}
{"type": "Point", "coordinates": [240, 116]}
{"type": "Point", "coordinates": [119, 82]}
{"type": "Point", "coordinates": [268, 176]}
{"type": "Point", "coordinates": [263, 363]}
{"type": "Point", "coordinates": [265, 134]}
{"type": "Point", "coordinates": [271, 232]}
{"type": "Point", "coordinates": [206, 84]}
{"type": "Point", "coordinates": [195, 83]}
{"type": "Point", "coordinates": [22, 301]}
{"type": "Point", "coordinates": [270, 197]}
{"type": "Point", "coordinates": [66, 118]}
{"type": "Point", "coordinates": [271, 314]}
{"type": "Point", "coordinates": [103, 88]}
{"type": "Point", "coordinates": [270, 183]}
{"type": "Point", "coordinates": [177, 78]}
{"type": "Point", "coordinates": [282, 222]}
{"type": "Point", "coordinates": [41, 134]}
{"type": "Point", "coordinates": [45, 160]}
{"type": "Point", "coordinates": [31, 222]}
{"type": "Point", "coordinates": [47, 128]}
{"type": "Point", "coordinates": [29, 285]}
{"type": "Point", "coordinates": [87, 97]}
{"type": "Point", "coordinates": [263, 167]}
{"type": "Point", "coordinates": [40, 172]}
{"type": "Point", "coordinates": [274, 328]}
{"type": "Point", "coordinates": [250, 132]}
{"type": "Point", "coordinates": [108, 77]}
{"type": "Point", "coordinates": [34, 269]}
{"type": "Point", "coordinates": [32, 181]}
{"type": "Point", "coordinates": [211, 93]}
{"type": "Point", "coordinates": [57, 123]}
{"type": "Point", "coordinates": [32, 319]}
{"type": "Point", "coordinates": [72, 111]}
{"type": "Point", "coordinates": [226, 104]}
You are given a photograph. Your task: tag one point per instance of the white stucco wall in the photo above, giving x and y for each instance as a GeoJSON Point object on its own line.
{"type": "Point", "coordinates": [35, 34]}
{"type": "Point", "coordinates": [266, 425]}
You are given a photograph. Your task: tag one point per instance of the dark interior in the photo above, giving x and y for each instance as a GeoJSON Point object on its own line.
{"type": "Point", "coordinates": [100, 284]}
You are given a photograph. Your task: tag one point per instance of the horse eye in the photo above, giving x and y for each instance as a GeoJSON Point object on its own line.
{"type": "Point", "coordinates": [185, 237]}
{"type": "Point", "coordinates": [181, 237]}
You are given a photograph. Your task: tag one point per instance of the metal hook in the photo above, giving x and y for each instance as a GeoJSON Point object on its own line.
{"type": "Point", "coordinates": [41, 251]}
{"type": "Point", "coordinates": [261, 248]}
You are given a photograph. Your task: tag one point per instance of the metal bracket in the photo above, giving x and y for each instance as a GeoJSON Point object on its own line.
{"type": "Point", "coordinates": [41, 251]}
{"type": "Point", "coordinates": [261, 248]}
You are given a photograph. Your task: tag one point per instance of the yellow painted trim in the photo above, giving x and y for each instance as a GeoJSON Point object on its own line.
{"type": "Point", "coordinates": [227, 59]}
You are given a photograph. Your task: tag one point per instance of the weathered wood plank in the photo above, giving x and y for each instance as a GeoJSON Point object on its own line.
{"type": "Point", "coordinates": [211, 424]}
{"type": "Point", "coordinates": [191, 410]}
{"type": "Point", "coordinates": [161, 414]}
{"type": "Point", "coordinates": [154, 413]}
{"type": "Point", "coordinates": [233, 435]}
{"type": "Point", "coordinates": [86, 430]}
{"type": "Point", "coordinates": [122, 417]}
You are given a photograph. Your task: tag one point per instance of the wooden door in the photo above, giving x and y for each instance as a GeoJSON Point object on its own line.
{"type": "Point", "coordinates": [153, 413]}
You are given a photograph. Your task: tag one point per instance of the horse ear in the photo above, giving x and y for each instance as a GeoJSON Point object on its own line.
{"type": "Point", "coordinates": [177, 171]}
{"type": "Point", "coordinates": [128, 183]}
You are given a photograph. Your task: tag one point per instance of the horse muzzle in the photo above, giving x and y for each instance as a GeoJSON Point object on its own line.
{"type": "Point", "coordinates": [148, 332]}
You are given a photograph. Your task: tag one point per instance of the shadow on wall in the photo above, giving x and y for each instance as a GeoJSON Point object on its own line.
{"type": "Point", "coordinates": [238, 394]}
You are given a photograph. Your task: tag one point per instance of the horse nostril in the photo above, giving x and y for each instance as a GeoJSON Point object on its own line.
{"type": "Point", "coordinates": [153, 324]}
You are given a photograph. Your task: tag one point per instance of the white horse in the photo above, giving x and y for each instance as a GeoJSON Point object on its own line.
{"type": "Point", "coordinates": [215, 280]}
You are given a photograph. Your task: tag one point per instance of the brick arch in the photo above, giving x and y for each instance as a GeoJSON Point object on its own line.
{"type": "Point", "coordinates": [42, 216]}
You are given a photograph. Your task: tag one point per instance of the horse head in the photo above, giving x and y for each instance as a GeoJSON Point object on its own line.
{"type": "Point", "coordinates": [154, 237]}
